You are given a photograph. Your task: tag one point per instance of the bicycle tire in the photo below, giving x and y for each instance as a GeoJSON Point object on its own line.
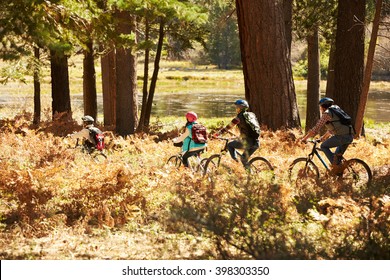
{"type": "Point", "coordinates": [261, 168]}
{"type": "Point", "coordinates": [99, 157]}
{"type": "Point", "coordinates": [175, 161]}
{"type": "Point", "coordinates": [302, 173]}
{"type": "Point", "coordinates": [357, 174]}
{"type": "Point", "coordinates": [212, 164]}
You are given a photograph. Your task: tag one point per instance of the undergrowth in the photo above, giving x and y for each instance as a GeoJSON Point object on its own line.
{"type": "Point", "coordinates": [57, 203]}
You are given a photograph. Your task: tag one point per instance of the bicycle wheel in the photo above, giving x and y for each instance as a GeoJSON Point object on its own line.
{"type": "Point", "coordinates": [303, 173]}
{"type": "Point", "coordinates": [212, 164]}
{"type": "Point", "coordinates": [259, 167]}
{"type": "Point", "coordinates": [357, 174]}
{"type": "Point", "coordinates": [174, 161]}
{"type": "Point", "coordinates": [99, 157]}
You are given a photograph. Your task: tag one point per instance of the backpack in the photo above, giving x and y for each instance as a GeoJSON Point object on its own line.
{"type": "Point", "coordinates": [252, 121]}
{"type": "Point", "coordinates": [345, 119]}
{"type": "Point", "coordinates": [199, 133]}
{"type": "Point", "coordinates": [98, 136]}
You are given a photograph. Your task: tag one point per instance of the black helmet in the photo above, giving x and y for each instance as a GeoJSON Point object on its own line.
{"type": "Point", "coordinates": [326, 101]}
{"type": "Point", "coordinates": [88, 119]}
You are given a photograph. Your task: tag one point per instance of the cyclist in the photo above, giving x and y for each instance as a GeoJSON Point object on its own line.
{"type": "Point", "coordinates": [85, 134]}
{"type": "Point", "coordinates": [189, 147]}
{"type": "Point", "coordinates": [342, 135]}
{"type": "Point", "coordinates": [249, 132]}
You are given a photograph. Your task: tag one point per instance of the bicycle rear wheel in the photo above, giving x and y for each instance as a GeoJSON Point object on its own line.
{"type": "Point", "coordinates": [174, 161]}
{"type": "Point", "coordinates": [303, 173]}
{"type": "Point", "coordinates": [259, 167]}
{"type": "Point", "coordinates": [357, 174]}
{"type": "Point", "coordinates": [212, 164]}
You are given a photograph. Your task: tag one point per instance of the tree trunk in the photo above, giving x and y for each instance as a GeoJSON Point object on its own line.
{"type": "Point", "coordinates": [109, 87]}
{"type": "Point", "coordinates": [37, 90]}
{"type": "Point", "coordinates": [60, 85]}
{"type": "Point", "coordinates": [313, 80]}
{"type": "Point", "coordinates": [288, 22]}
{"type": "Point", "coordinates": [126, 79]}
{"type": "Point", "coordinates": [269, 85]}
{"type": "Point", "coordinates": [349, 55]}
{"type": "Point", "coordinates": [89, 82]}
{"type": "Point", "coordinates": [153, 82]}
{"type": "Point", "coordinates": [330, 77]}
{"type": "Point", "coordinates": [141, 125]}
{"type": "Point", "coordinates": [368, 70]}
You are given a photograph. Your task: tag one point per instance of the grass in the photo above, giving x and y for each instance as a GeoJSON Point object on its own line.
{"type": "Point", "coordinates": [56, 203]}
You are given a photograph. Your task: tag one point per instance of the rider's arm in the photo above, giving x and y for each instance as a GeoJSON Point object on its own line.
{"type": "Point", "coordinates": [182, 137]}
{"type": "Point", "coordinates": [232, 124]}
{"type": "Point", "coordinates": [84, 133]}
{"type": "Point", "coordinates": [321, 122]}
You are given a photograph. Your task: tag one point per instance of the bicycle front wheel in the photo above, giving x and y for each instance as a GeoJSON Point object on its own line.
{"type": "Point", "coordinates": [303, 173]}
{"type": "Point", "coordinates": [259, 167]}
{"type": "Point", "coordinates": [357, 174]}
{"type": "Point", "coordinates": [174, 161]}
{"type": "Point", "coordinates": [99, 157]}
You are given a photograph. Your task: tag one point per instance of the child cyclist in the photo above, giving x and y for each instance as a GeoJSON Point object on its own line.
{"type": "Point", "coordinates": [189, 147]}
{"type": "Point", "coordinates": [249, 132]}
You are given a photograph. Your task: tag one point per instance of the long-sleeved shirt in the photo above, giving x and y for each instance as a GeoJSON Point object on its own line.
{"type": "Point", "coordinates": [321, 122]}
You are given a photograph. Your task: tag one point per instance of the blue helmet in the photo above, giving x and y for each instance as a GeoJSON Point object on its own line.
{"type": "Point", "coordinates": [326, 101]}
{"type": "Point", "coordinates": [242, 102]}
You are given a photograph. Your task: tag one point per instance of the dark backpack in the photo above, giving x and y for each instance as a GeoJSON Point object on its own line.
{"type": "Point", "coordinates": [345, 119]}
{"type": "Point", "coordinates": [98, 136]}
{"type": "Point", "coordinates": [199, 133]}
{"type": "Point", "coordinates": [252, 121]}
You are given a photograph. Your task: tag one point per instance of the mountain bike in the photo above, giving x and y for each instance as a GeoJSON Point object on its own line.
{"type": "Point", "coordinates": [89, 149]}
{"type": "Point", "coordinates": [196, 163]}
{"type": "Point", "coordinates": [257, 166]}
{"type": "Point", "coordinates": [353, 172]}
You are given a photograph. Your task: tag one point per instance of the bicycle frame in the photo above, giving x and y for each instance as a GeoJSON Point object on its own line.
{"type": "Point", "coordinates": [315, 152]}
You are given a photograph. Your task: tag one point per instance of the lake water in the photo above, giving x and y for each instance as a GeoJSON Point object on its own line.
{"type": "Point", "coordinates": [209, 104]}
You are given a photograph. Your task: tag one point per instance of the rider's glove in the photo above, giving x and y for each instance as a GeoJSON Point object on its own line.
{"type": "Point", "coordinates": [215, 135]}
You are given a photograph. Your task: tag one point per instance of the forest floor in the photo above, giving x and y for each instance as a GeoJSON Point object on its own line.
{"type": "Point", "coordinates": [57, 203]}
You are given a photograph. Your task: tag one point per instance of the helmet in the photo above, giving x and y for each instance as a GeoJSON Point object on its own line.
{"type": "Point", "coordinates": [326, 101]}
{"type": "Point", "coordinates": [241, 102]}
{"type": "Point", "coordinates": [191, 116]}
{"type": "Point", "coordinates": [87, 119]}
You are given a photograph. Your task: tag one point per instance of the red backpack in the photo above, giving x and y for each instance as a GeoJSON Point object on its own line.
{"type": "Point", "coordinates": [98, 136]}
{"type": "Point", "coordinates": [199, 133]}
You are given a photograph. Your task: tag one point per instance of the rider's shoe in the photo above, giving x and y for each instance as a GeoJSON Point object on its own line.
{"type": "Point", "coordinates": [337, 170]}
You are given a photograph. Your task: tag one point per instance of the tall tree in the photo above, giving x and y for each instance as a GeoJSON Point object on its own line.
{"type": "Point", "coordinates": [265, 54]}
{"type": "Point", "coordinates": [126, 76]}
{"type": "Point", "coordinates": [89, 81]}
{"type": "Point", "coordinates": [60, 91]}
{"type": "Point", "coordinates": [349, 55]}
{"type": "Point", "coordinates": [368, 69]}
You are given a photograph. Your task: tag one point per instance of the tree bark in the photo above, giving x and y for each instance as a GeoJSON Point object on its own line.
{"type": "Point", "coordinates": [156, 69]}
{"type": "Point", "coordinates": [89, 82]}
{"type": "Point", "coordinates": [37, 89]}
{"type": "Point", "coordinates": [368, 69]}
{"type": "Point", "coordinates": [269, 86]}
{"type": "Point", "coordinates": [126, 79]}
{"type": "Point", "coordinates": [349, 56]}
{"type": "Point", "coordinates": [141, 125]}
{"type": "Point", "coordinates": [330, 76]}
{"type": "Point", "coordinates": [313, 80]}
{"type": "Point", "coordinates": [60, 85]}
{"type": "Point", "coordinates": [109, 87]}
{"type": "Point", "coordinates": [288, 22]}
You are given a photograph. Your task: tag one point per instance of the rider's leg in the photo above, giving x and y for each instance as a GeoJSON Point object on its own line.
{"type": "Point", "coordinates": [232, 146]}
{"type": "Point", "coordinates": [189, 154]}
{"type": "Point", "coordinates": [340, 150]}
{"type": "Point", "coordinates": [335, 141]}
{"type": "Point", "coordinates": [250, 147]}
